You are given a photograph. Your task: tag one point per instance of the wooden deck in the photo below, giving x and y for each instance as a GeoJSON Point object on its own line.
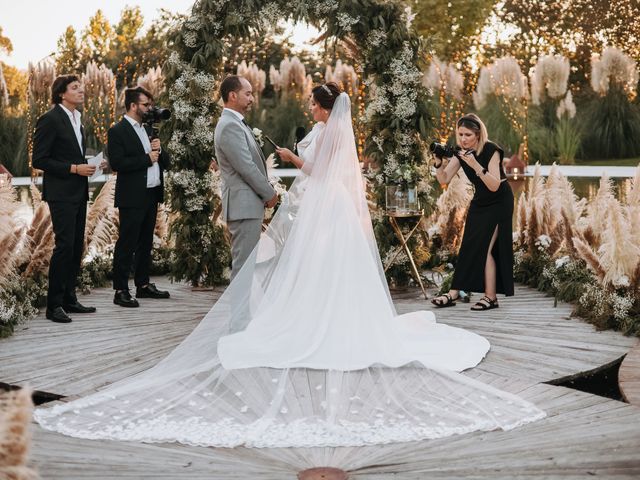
{"type": "Point", "coordinates": [629, 377]}
{"type": "Point", "coordinates": [532, 343]}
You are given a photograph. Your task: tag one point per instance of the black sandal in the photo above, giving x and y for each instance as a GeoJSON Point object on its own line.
{"type": "Point", "coordinates": [448, 302]}
{"type": "Point", "coordinates": [485, 303]}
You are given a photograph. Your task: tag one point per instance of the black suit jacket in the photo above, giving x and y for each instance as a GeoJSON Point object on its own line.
{"type": "Point", "coordinates": [55, 149]}
{"type": "Point", "coordinates": [128, 159]}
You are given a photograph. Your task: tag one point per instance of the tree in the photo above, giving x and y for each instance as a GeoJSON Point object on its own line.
{"type": "Point", "coordinates": [132, 54]}
{"type": "Point", "coordinates": [16, 81]}
{"type": "Point", "coordinates": [574, 28]}
{"type": "Point", "coordinates": [5, 44]}
{"type": "Point", "coordinates": [97, 39]}
{"type": "Point", "coordinates": [451, 27]}
{"type": "Point", "coordinates": [68, 57]}
{"type": "Point", "coordinates": [128, 28]}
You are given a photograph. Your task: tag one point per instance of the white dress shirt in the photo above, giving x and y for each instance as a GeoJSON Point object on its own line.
{"type": "Point", "coordinates": [153, 172]}
{"type": "Point", "coordinates": [76, 123]}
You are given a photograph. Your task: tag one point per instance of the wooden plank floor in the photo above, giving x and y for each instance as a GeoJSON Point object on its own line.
{"type": "Point", "coordinates": [532, 342]}
{"type": "Point", "coordinates": [584, 435]}
{"type": "Point", "coordinates": [629, 377]}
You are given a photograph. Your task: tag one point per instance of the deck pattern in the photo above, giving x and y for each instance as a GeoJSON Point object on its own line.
{"type": "Point", "coordinates": [532, 343]}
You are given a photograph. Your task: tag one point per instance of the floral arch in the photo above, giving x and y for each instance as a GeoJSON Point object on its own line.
{"type": "Point", "coordinates": [379, 35]}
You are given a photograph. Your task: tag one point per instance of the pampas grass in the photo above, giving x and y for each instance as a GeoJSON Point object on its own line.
{"type": "Point", "coordinates": [619, 252]}
{"type": "Point", "coordinates": [41, 257]}
{"type": "Point", "coordinates": [589, 256]}
{"type": "Point", "coordinates": [451, 208]}
{"type": "Point", "coordinates": [597, 212]}
{"type": "Point", "coordinates": [39, 240]}
{"type": "Point", "coordinates": [602, 234]}
{"type": "Point", "coordinates": [102, 221]}
{"type": "Point", "coordinates": [11, 233]}
{"type": "Point", "coordinates": [550, 78]}
{"type": "Point", "coordinates": [16, 408]}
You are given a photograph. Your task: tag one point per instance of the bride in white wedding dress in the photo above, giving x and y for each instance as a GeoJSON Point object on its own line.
{"type": "Point", "coordinates": [305, 348]}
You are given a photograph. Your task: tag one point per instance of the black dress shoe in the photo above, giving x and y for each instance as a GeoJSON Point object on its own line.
{"type": "Point", "coordinates": [150, 291]}
{"type": "Point", "coordinates": [77, 307]}
{"type": "Point", "coordinates": [124, 299]}
{"type": "Point", "coordinates": [58, 315]}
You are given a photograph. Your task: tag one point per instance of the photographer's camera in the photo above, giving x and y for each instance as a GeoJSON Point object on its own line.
{"type": "Point", "coordinates": [443, 150]}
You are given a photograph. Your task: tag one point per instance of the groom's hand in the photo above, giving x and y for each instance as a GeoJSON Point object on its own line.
{"type": "Point", "coordinates": [272, 203]}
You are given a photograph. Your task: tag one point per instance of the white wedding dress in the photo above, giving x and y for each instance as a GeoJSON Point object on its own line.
{"type": "Point", "coordinates": [305, 348]}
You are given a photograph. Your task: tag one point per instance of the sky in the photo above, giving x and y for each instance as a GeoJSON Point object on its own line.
{"type": "Point", "coordinates": [34, 26]}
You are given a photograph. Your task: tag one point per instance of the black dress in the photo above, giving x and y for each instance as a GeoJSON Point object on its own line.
{"type": "Point", "coordinates": [487, 211]}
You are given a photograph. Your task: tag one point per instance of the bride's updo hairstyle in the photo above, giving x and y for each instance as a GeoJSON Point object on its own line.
{"type": "Point", "coordinates": [326, 95]}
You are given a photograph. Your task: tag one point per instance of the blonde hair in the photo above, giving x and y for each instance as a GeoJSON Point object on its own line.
{"type": "Point", "coordinates": [473, 123]}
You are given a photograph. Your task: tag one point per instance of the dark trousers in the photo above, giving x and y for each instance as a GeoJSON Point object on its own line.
{"type": "Point", "coordinates": [68, 220]}
{"type": "Point", "coordinates": [135, 242]}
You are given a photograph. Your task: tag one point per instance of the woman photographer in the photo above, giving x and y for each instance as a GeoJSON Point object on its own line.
{"type": "Point", "coordinates": [485, 259]}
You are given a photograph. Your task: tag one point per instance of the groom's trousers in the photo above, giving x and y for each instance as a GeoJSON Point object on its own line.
{"type": "Point", "coordinates": [244, 238]}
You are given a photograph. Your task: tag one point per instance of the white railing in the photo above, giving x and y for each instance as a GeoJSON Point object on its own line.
{"type": "Point", "coordinates": [566, 170]}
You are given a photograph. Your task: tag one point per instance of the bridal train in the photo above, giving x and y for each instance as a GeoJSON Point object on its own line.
{"type": "Point", "coordinates": [305, 348]}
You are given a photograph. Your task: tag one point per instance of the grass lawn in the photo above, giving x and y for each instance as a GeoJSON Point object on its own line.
{"type": "Point", "coordinates": [610, 162]}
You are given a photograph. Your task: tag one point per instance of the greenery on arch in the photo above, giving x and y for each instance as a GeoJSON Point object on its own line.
{"type": "Point", "coordinates": [379, 35]}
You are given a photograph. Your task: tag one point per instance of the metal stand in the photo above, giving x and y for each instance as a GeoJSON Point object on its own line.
{"type": "Point", "coordinates": [403, 242]}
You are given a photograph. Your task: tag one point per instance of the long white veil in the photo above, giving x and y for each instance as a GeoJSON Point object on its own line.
{"type": "Point", "coordinates": [310, 340]}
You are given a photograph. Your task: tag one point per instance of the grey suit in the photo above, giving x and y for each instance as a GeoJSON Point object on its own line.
{"type": "Point", "coordinates": [245, 187]}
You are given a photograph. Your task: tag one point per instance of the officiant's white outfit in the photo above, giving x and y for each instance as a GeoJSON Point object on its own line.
{"type": "Point", "coordinates": [319, 357]}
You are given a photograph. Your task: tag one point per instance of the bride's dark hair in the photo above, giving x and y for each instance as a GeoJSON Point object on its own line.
{"type": "Point", "coordinates": [326, 95]}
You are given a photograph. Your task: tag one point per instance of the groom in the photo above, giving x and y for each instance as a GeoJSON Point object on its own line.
{"type": "Point", "coordinates": [246, 190]}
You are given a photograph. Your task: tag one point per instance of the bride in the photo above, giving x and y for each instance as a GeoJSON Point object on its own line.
{"type": "Point", "coordinates": [305, 348]}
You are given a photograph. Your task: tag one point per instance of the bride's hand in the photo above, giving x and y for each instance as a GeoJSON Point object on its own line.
{"type": "Point", "coordinates": [285, 154]}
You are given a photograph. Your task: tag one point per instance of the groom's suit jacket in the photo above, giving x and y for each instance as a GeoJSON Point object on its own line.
{"type": "Point", "coordinates": [245, 185]}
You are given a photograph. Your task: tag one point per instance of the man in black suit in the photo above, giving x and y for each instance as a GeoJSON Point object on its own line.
{"type": "Point", "coordinates": [139, 162]}
{"type": "Point", "coordinates": [58, 150]}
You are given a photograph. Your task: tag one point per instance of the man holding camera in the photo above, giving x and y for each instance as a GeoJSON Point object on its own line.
{"type": "Point", "coordinates": [139, 162]}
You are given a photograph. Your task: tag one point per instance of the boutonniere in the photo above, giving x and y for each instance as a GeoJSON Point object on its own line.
{"type": "Point", "coordinates": [257, 133]}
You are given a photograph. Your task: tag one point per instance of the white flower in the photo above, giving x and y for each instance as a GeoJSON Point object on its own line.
{"type": "Point", "coordinates": [621, 305]}
{"type": "Point", "coordinates": [543, 241]}
{"type": "Point", "coordinates": [257, 133]}
{"type": "Point", "coordinates": [376, 38]}
{"type": "Point", "coordinates": [408, 17]}
{"type": "Point", "coordinates": [345, 21]}
{"type": "Point", "coordinates": [622, 281]}
{"type": "Point", "coordinates": [560, 262]}
{"type": "Point", "coordinates": [190, 38]}
{"type": "Point", "coordinates": [433, 230]}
